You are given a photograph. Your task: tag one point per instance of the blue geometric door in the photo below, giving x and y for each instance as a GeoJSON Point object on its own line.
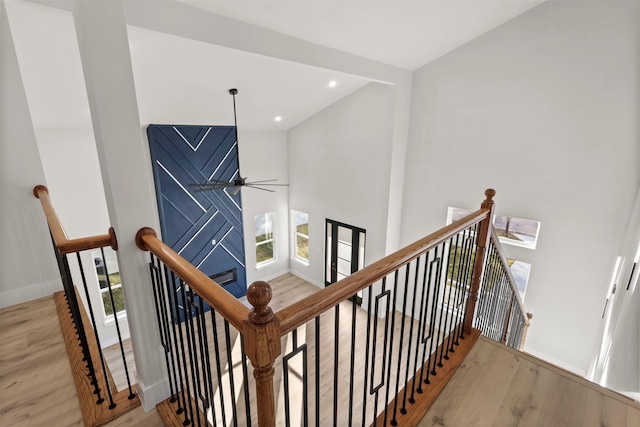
{"type": "Point", "coordinates": [205, 227]}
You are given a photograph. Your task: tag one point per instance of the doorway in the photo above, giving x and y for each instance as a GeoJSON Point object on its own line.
{"type": "Point", "coordinates": [344, 252]}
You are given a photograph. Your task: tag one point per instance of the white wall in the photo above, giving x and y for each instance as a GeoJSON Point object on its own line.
{"type": "Point", "coordinates": [339, 165]}
{"type": "Point", "coordinates": [27, 262]}
{"type": "Point", "coordinates": [72, 170]}
{"type": "Point", "coordinates": [544, 109]}
{"type": "Point", "coordinates": [263, 155]}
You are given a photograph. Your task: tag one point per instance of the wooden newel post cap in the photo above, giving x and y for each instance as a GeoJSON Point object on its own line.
{"type": "Point", "coordinates": [489, 194]}
{"type": "Point", "coordinates": [259, 295]}
{"type": "Point", "coordinates": [37, 189]}
{"type": "Point", "coordinates": [145, 231]}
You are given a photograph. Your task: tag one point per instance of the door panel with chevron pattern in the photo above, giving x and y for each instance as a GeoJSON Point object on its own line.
{"type": "Point", "coordinates": [203, 227]}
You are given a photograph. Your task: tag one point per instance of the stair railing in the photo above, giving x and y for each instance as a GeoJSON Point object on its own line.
{"type": "Point", "coordinates": [98, 392]}
{"type": "Point", "coordinates": [501, 315]}
{"type": "Point", "coordinates": [325, 359]}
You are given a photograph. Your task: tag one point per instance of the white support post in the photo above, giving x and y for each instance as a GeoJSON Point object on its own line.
{"type": "Point", "coordinates": [106, 62]}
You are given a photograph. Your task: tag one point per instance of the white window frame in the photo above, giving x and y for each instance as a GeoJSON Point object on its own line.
{"type": "Point", "coordinates": [264, 242]}
{"type": "Point", "coordinates": [295, 233]}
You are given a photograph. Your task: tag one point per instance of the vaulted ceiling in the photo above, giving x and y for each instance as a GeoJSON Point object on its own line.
{"type": "Point", "coordinates": [181, 80]}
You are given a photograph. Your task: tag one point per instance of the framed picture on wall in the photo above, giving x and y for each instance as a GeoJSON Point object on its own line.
{"type": "Point", "coordinates": [517, 231]}
{"type": "Point", "coordinates": [511, 230]}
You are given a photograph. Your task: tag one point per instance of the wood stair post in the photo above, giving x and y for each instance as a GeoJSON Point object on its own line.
{"type": "Point", "coordinates": [262, 345]}
{"type": "Point", "coordinates": [481, 245]}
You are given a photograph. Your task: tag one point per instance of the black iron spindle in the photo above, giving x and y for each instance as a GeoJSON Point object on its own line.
{"type": "Point", "coordinates": [407, 267]}
{"type": "Point", "coordinates": [366, 356]}
{"type": "Point", "coordinates": [117, 325]}
{"type": "Point", "coordinates": [352, 361]}
{"type": "Point", "coordinates": [392, 313]}
{"type": "Point", "coordinates": [232, 386]}
{"type": "Point", "coordinates": [245, 376]}
{"type": "Point", "coordinates": [403, 409]}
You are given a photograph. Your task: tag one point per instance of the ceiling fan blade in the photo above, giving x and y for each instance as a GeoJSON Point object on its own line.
{"type": "Point", "coordinates": [217, 181]}
{"type": "Point", "coordinates": [259, 183]}
{"type": "Point", "coordinates": [258, 188]}
{"type": "Point", "coordinates": [236, 191]}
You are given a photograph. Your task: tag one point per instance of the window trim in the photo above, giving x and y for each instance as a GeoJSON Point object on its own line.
{"type": "Point", "coordinates": [296, 234]}
{"type": "Point", "coordinates": [260, 264]}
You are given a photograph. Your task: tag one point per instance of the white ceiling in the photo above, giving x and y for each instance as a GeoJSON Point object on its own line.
{"type": "Point", "coordinates": [403, 33]}
{"type": "Point", "coordinates": [184, 81]}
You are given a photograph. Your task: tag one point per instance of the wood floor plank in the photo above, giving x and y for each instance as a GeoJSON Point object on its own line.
{"type": "Point", "coordinates": [523, 403]}
{"type": "Point", "coordinates": [37, 389]}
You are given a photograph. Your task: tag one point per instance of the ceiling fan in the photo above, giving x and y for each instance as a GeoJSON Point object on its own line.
{"type": "Point", "coordinates": [239, 182]}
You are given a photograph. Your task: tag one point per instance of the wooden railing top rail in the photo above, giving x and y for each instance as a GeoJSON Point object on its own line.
{"type": "Point", "coordinates": [308, 308]}
{"type": "Point", "coordinates": [62, 242]}
{"type": "Point", "coordinates": [223, 302]}
{"type": "Point", "coordinates": [505, 265]}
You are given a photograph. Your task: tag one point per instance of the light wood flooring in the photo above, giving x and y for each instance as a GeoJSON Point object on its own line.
{"type": "Point", "coordinates": [495, 386]}
{"type": "Point", "coordinates": [498, 386]}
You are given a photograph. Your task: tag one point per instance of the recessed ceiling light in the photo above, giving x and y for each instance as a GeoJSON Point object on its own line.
{"type": "Point", "coordinates": [278, 118]}
{"type": "Point", "coordinates": [333, 83]}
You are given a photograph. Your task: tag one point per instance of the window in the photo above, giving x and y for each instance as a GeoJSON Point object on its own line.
{"type": "Point", "coordinates": [113, 281]}
{"type": "Point", "coordinates": [264, 238]}
{"type": "Point", "coordinates": [301, 233]}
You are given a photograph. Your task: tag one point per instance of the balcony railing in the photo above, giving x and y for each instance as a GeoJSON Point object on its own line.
{"type": "Point", "coordinates": [98, 392]}
{"type": "Point", "coordinates": [325, 360]}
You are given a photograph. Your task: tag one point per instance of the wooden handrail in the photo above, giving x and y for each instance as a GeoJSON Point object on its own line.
{"type": "Point", "coordinates": [310, 307]}
{"type": "Point", "coordinates": [62, 242]}
{"type": "Point", "coordinates": [223, 302]}
{"type": "Point", "coordinates": [505, 265]}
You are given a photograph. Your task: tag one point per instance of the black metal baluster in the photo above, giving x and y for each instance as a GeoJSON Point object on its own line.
{"type": "Point", "coordinates": [194, 391]}
{"type": "Point", "coordinates": [117, 324]}
{"type": "Point", "coordinates": [375, 389]}
{"type": "Point", "coordinates": [186, 324]}
{"type": "Point", "coordinates": [352, 361]}
{"type": "Point", "coordinates": [204, 361]}
{"type": "Point", "coordinates": [89, 360]}
{"type": "Point", "coordinates": [76, 319]}
{"type": "Point", "coordinates": [434, 307]}
{"type": "Point", "coordinates": [285, 372]}
{"type": "Point", "coordinates": [435, 285]}
{"type": "Point", "coordinates": [336, 340]}
{"type": "Point", "coordinates": [245, 375]}
{"type": "Point", "coordinates": [153, 272]}
{"type": "Point", "coordinates": [450, 307]}
{"type": "Point", "coordinates": [407, 267]}
{"type": "Point", "coordinates": [474, 253]}
{"type": "Point", "coordinates": [421, 328]}
{"type": "Point", "coordinates": [196, 339]}
{"type": "Point", "coordinates": [186, 387]}
{"type": "Point", "coordinates": [285, 379]}
{"type": "Point", "coordinates": [429, 337]}
{"type": "Point", "coordinates": [234, 409]}
{"type": "Point", "coordinates": [317, 344]}
{"type": "Point", "coordinates": [366, 358]}
{"type": "Point", "coordinates": [443, 311]}
{"type": "Point", "coordinates": [392, 313]}
{"type": "Point", "coordinates": [220, 386]}
{"type": "Point", "coordinates": [403, 409]}
{"type": "Point", "coordinates": [460, 286]}
{"type": "Point", "coordinates": [208, 376]}
{"type": "Point", "coordinates": [464, 295]}
{"type": "Point", "coordinates": [167, 317]}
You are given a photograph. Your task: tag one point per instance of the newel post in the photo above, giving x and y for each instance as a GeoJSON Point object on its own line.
{"type": "Point", "coordinates": [526, 329]}
{"type": "Point", "coordinates": [262, 346]}
{"type": "Point", "coordinates": [481, 245]}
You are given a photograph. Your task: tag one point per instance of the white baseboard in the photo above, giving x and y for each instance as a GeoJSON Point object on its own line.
{"type": "Point", "coordinates": [307, 279]}
{"type": "Point", "coordinates": [150, 396]}
{"type": "Point", "coordinates": [29, 293]}
{"type": "Point", "coordinates": [276, 275]}
{"type": "Point", "coordinates": [554, 361]}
